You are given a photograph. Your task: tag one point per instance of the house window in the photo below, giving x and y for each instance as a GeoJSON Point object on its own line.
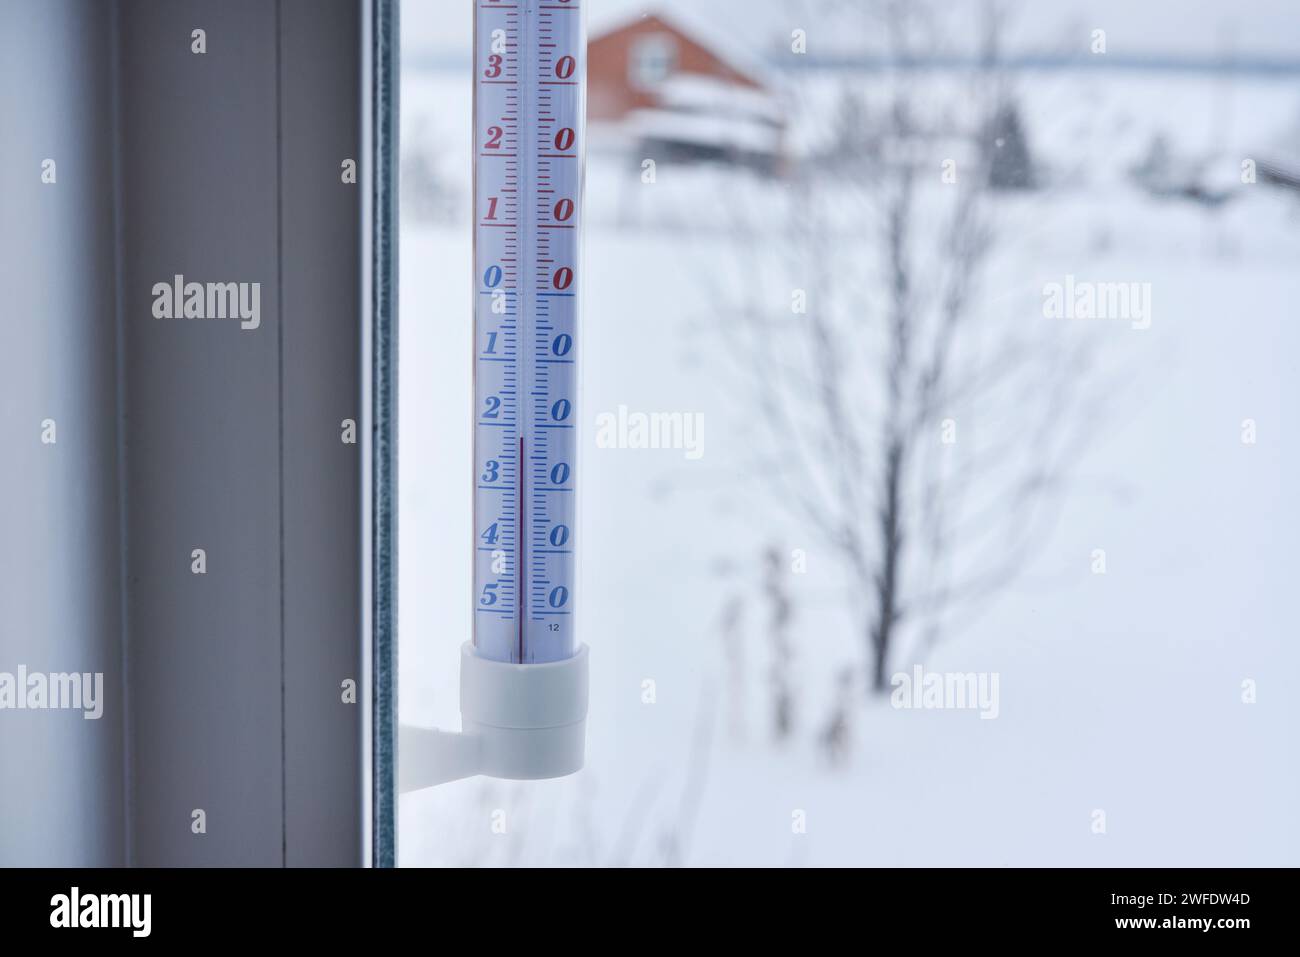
{"type": "Point", "coordinates": [653, 60]}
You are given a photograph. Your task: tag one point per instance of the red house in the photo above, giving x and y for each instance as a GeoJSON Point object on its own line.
{"type": "Point", "coordinates": [659, 86]}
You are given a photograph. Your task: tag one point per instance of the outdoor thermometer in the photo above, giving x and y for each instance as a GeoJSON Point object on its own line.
{"type": "Point", "coordinates": [523, 675]}
{"type": "Point", "coordinates": [528, 110]}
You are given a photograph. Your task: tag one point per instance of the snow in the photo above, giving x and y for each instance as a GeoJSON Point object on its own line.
{"type": "Point", "coordinates": [707, 94]}
{"type": "Point", "coordinates": [1120, 692]}
{"type": "Point", "coordinates": [726, 132]}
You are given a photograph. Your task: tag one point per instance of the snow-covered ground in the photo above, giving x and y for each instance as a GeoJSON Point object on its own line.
{"type": "Point", "coordinates": [1119, 692]}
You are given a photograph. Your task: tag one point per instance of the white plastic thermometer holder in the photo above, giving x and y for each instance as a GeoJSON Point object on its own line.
{"type": "Point", "coordinates": [521, 722]}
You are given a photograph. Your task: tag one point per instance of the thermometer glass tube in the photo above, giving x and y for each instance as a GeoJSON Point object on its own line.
{"type": "Point", "coordinates": [529, 107]}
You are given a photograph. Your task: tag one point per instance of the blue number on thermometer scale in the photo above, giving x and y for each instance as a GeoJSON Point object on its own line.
{"type": "Point", "coordinates": [528, 127]}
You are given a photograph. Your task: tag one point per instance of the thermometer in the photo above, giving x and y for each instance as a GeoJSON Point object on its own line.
{"type": "Point", "coordinates": [523, 678]}
{"type": "Point", "coordinates": [529, 108]}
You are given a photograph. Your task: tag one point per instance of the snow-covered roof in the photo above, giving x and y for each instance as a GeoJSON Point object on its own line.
{"type": "Point", "coordinates": [730, 132]}
{"type": "Point", "coordinates": [692, 92]}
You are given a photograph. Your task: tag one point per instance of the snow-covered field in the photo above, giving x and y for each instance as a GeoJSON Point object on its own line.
{"type": "Point", "coordinates": [1119, 692]}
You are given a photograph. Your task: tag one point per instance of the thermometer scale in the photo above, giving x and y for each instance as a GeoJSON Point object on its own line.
{"type": "Point", "coordinates": [530, 66]}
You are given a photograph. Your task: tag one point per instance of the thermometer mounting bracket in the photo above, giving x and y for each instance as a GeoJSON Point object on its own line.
{"type": "Point", "coordinates": [519, 721]}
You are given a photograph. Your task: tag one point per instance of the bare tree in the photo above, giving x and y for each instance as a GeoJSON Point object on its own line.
{"type": "Point", "coordinates": [781, 610]}
{"type": "Point", "coordinates": [732, 629]}
{"type": "Point", "coordinates": [904, 344]}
